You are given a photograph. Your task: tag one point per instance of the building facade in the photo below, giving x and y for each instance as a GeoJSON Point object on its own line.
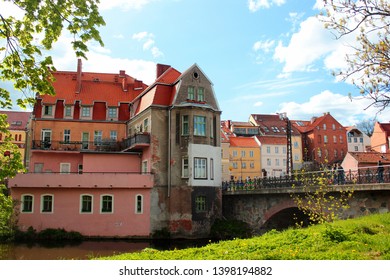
{"type": "Point", "coordinates": [380, 137]}
{"type": "Point", "coordinates": [358, 141]}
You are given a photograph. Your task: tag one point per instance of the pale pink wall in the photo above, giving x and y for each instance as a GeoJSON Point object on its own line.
{"type": "Point", "coordinates": [51, 160]}
{"type": "Point", "coordinates": [111, 163]}
{"type": "Point", "coordinates": [123, 222]}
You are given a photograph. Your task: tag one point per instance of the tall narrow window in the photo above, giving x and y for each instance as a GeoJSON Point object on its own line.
{"type": "Point", "coordinates": [212, 169]}
{"type": "Point", "coordinates": [113, 135]}
{"type": "Point", "coordinates": [86, 204]}
{"type": "Point", "coordinates": [190, 93]}
{"type": "Point", "coordinates": [200, 168]}
{"type": "Point", "coordinates": [199, 126]}
{"type": "Point", "coordinates": [146, 125]}
{"type": "Point", "coordinates": [97, 137]}
{"type": "Point", "coordinates": [200, 94]}
{"type": "Point", "coordinates": [68, 111]}
{"type": "Point", "coordinates": [139, 204]}
{"type": "Point", "coordinates": [185, 129]}
{"type": "Point", "coordinates": [185, 168]}
{"type": "Point", "coordinates": [145, 166]}
{"type": "Point", "coordinates": [66, 135]}
{"type": "Point", "coordinates": [27, 203]}
{"type": "Point", "coordinates": [200, 203]}
{"type": "Point", "coordinates": [47, 204]}
{"type": "Point", "coordinates": [106, 204]}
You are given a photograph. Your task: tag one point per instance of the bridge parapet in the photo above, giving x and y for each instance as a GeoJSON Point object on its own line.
{"type": "Point", "coordinates": [361, 176]}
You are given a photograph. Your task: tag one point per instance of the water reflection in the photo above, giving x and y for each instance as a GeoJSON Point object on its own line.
{"type": "Point", "coordinates": [87, 249]}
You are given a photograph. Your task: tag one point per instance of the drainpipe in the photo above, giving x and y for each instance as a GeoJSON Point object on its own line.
{"type": "Point", "coordinates": [169, 151]}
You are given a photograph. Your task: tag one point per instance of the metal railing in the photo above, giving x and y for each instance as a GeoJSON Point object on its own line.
{"type": "Point", "coordinates": [105, 145]}
{"type": "Point", "coordinates": [363, 175]}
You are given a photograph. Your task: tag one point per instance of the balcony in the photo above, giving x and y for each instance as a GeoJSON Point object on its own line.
{"type": "Point", "coordinates": [85, 180]}
{"type": "Point", "coordinates": [136, 142]}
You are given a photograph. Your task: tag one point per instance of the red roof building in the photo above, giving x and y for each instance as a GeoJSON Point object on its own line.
{"type": "Point", "coordinates": [380, 137]}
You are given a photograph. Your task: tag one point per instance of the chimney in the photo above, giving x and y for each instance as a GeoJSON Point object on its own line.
{"type": "Point", "coordinates": [161, 68]}
{"type": "Point", "coordinates": [78, 76]}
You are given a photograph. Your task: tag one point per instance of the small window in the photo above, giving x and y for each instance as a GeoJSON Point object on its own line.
{"type": "Point", "coordinates": [200, 168]}
{"type": "Point", "coordinates": [146, 125]}
{"type": "Point", "coordinates": [200, 203]}
{"type": "Point", "coordinates": [68, 111]}
{"type": "Point", "coordinates": [276, 150]}
{"type": "Point", "coordinates": [113, 135]}
{"type": "Point", "coordinates": [234, 153]}
{"type": "Point", "coordinates": [106, 204]}
{"type": "Point", "coordinates": [66, 135]}
{"type": "Point", "coordinates": [324, 126]}
{"type": "Point", "coordinates": [112, 112]}
{"type": "Point", "coordinates": [86, 112]}
{"type": "Point", "coordinates": [243, 154]}
{"type": "Point", "coordinates": [47, 204]}
{"type": "Point", "coordinates": [268, 149]}
{"type": "Point", "coordinates": [251, 154]}
{"type": "Point", "coordinates": [48, 110]}
{"type": "Point", "coordinates": [27, 203]}
{"type": "Point", "coordinates": [334, 139]}
{"type": "Point", "coordinates": [243, 165]}
{"type": "Point", "coordinates": [190, 92]}
{"type": "Point", "coordinates": [200, 94]}
{"type": "Point", "coordinates": [185, 168]}
{"type": "Point", "coordinates": [86, 204]}
{"type": "Point", "coordinates": [268, 162]}
{"type": "Point", "coordinates": [139, 204]}
{"type": "Point", "coordinates": [333, 126]}
{"type": "Point", "coordinates": [97, 137]}
{"type": "Point", "coordinates": [145, 166]}
{"type": "Point", "coordinates": [185, 126]}
{"type": "Point", "coordinates": [325, 139]}
{"type": "Point", "coordinates": [199, 126]}
{"type": "Point", "coordinates": [65, 168]}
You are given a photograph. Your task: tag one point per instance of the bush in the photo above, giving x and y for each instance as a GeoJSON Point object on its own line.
{"type": "Point", "coordinates": [49, 234]}
{"type": "Point", "coordinates": [229, 229]}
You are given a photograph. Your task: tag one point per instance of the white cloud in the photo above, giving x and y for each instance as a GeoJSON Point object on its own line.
{"type": "Point", "coordinates": [341, 107]}
{"type": "Point", "coordinates": [148, 43]}
{"type": "Point", "coordinates": [123, 4]}
{"type": "Point", "coordinates": [255, 5]}
{"type": "Point", "coordinates": [258, 104]}
{"type": "Point", "coordinates": [263, 45]}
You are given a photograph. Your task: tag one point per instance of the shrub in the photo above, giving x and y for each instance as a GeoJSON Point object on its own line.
{"type": "Point", "coordinates": [229, 229]}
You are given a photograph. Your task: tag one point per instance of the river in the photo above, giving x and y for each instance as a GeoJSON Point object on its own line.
{"type": "Point", "coordinates": [87, 249]}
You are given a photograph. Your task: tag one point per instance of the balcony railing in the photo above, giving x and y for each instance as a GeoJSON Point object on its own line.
{"type": "Point", "coordinates": [136, 142]}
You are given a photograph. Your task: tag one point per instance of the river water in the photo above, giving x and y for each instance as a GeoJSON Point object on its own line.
{"type": "Point", "coordinates": [87, 249]}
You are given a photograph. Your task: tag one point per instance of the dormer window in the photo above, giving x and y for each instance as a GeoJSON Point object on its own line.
{"type": "Point", "coordinates": [48, 110]}
{"type": "Point", "coordinates": [86, 112]}
{"type": "Point", "coordinates": [200, 94]}
{"type": "Point", "coordinates": [112, 113]}
{"type": "Point", "coordinates": [190, 93]}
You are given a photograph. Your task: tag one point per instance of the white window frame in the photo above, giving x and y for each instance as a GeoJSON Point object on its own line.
{"type": "Point", "coordinates": [185, 167]}
{"type": "Point", "coordinates": [200, 168]}
{"type": "Point", "coordinates": [139, 204]}
{"type": "Point", "coordinates": [144, 167]}
{"type": "Point", "coordinates": [66, 135]}
{"type": "Point", "coordinates": [101, 204]}
{"type": "Point", "coordinates": [200, 125]}
{"type": "Point", "coordinates": [65, 168]}
{"type": "Point", "coordinates": [48, 110]}
{"type": "Point", "coordinates": [200, 94]}
{"type": "Point", "coordinates": [68, 111]}
{"type": "Point", "coordinates": [112, 113]}
{"type": "Point", "coordinates": [113, 135]}
{"type": "Point", "coordinates": [86, 112]}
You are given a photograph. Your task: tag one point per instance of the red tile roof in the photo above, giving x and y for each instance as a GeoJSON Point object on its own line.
{"type": "Point", "coordinates": [17, 120]}
{"type": "Point", "coordinates": [272, 125]}
{"type": "Point", "coordinates": [244, 142]}
{"type": "Point", "coordinates": [385, 127]}
{"type": "Point", "coordinates": [371, 157]}
{"type": "Point", "coordinates": [272, 140]}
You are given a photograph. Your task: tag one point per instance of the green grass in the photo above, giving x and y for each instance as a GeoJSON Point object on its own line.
{"type": "Point", "coordinates": [365, 238]}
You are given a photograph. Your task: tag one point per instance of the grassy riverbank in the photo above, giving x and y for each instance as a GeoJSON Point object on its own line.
{"type": "Point", "coordinates": [365, 238]}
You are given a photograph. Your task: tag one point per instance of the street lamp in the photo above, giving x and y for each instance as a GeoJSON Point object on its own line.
{"type": "Point", "coordinates": [289, 167]}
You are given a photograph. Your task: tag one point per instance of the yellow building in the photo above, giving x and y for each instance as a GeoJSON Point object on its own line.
{"type": "Point", "coordinates": [245, 158]}
{"type": "Point", "coordinates": [18, 127]}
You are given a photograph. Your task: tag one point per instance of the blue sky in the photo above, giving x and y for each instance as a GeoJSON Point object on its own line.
{"type": "Point", "coordinates": [263, 56]}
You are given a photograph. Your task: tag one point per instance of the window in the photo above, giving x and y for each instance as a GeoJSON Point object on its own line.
{"type": "Point", "coordinates": [66, 135]}
{"type": "Point", "coordinates": [284, 162]}
{"type": "Point", "coordinates": [235, 166]}
{"type": "Point", "coordinates": [47, 204]}
{"type": "Point", "coordinates": [277, 162]}
{"type": "Point", "coordinates": [333, 126]}
{"type": "Point", "coordinates": [200, 168]}
{"type": "Point", "coordinates": [190, 93]}
{"type": "Point", "coordinates": [284, 150]}
{"type": "Point", "coordinates": [355, 140]}
{"type": "Point", "coordinates": [234, 153]}
{"type": "Point", "coordinates": [185, 168]}
{"type": "Point", "coordinates": [64, 168]}
{"type": "Point", "coordinates": [86, 203]}
{"type": "Point", "coordinates": [200, 203]}
{"type": "Point", "coordinates": [361, 139]}
{"type": "Point", "coordinates": [112, 112]}
{"type": "Point", "coordinates": [296, 145]}
{"type": "Point", "coordinates": [243, 154]}
{"type": "Point", "coordinates": [27, 203]}
{"type": "Point", "coordinates": [139, 204]}
{"type": "Point", "coordinates": [106, 204]}
{"type": "Point", "coordinates": [185, 129]}
{"type": "Point", "coordinates": [68, 111]}
{"type": "Point", "coordinates": [276, 150]}
{"type": "Point", "coordinates": [199, 126]}
{"type": "Point", "coordinates": [324, 126]}
{"type": "Point", "coordinates": [145, 166]}
{"type": "Point", "coordinates": [341, 139]}
{"type": "Point", "coordinates": [319, 139]}
{"type": "Point", "coordinates": [113, 135]}
{"type": "Point", "coordinates": [335, 153]}
{"type": "Point", "coordinates": [86, 112]}
{"type": "Point", "coordinates": [349, 140]}
{"type": "Point", "coordinates": [243, 165]}
{"type": "Point", "coordinates": [356, 148]}
{"type": "Point", "coordinates": [251, 154]}
{"type": "Point", "coordinates": [146, 125]}
{"type": "Point", "coordinates": [334, 139]}
{"type": "Point", "coordinates": [97, 137]}
{"type": "Point", "coordinates": [325, 139]}
{"type": "Point", "coordinates": [268, 149]}
{"type": "Point", "coordinates": [48, 110]}
{"type": "Point", "coordinates": [268, 162]}
{"type": "Point", "coordinates": [200, 94]}
{"type": "Point", "coordinates": [252, 165]}
{"type": "Point", "coordinates": [212, 169]}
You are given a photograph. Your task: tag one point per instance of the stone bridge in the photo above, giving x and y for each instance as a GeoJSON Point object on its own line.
{"type": "Point", "coordinates": [273, 208]}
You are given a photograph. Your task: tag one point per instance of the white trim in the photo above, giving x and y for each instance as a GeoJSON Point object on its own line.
{"type": "Point", "coordinates": [62, 165]}
{"type": "Point", "coordinates": [22, 203]}
{"type": "Point", "coordinates": [52, 203]}
{"type": "Point", "coordinates": [81, 203]}
{"type": "Point", "coordinates": [101, 204]}
{"type": "Point", "coordinates": [136, 204]}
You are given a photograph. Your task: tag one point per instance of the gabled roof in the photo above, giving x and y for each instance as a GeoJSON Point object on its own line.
{"type": "Point", "coordinates": [243, 142]}
{"type": "Point", "coordinates": [272, 125]}
{"type": "Point", "coordinates": [307, 126]}
{"type": "Point", "coordinates": [385, 127]}
{"type": "Point", "coordinates": [272, 140]}
{"type": "Point", "coordinates": [371, 157]}
{"type": "Point", "coordinates": [17, 119]}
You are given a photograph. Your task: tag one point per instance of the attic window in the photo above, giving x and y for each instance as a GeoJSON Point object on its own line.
{"type": "Point", "coordinates": [16, 123]}
{"type": "Point", "coordinates": [195, 75]}
{"type": "Point", "coordinates": [96, 79]}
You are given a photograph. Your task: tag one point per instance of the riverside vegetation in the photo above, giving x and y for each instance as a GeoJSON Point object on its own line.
{"type": "Point", "coordinates": [363, 238]}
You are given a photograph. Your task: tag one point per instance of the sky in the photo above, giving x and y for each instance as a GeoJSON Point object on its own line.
{"type": "Point", "coordinates": [262, 56]}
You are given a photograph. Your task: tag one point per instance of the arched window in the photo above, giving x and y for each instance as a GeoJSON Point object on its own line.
{"type": "Point", "coordinates": [139, 205]}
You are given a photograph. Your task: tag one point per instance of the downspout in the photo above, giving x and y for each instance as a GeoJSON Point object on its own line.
{"type": "Point", "coordinates": [169, 151]}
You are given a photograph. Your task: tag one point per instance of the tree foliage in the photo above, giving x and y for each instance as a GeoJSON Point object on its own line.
{"type": "Point", "coordinates": [367, 126]}
{"type": "Point", "coordinates": [369, 65]}
{"type": "Point", "coordinates": [318, 198]}
{"type": "Point", "coordinates": [23, 42]}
